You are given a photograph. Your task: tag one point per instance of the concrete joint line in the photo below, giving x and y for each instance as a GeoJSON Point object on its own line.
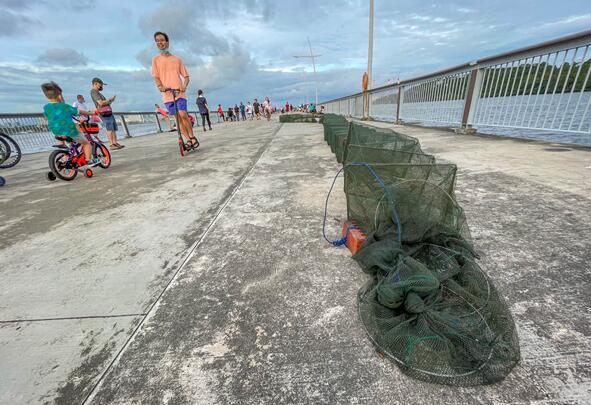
{"type": "Point", "coordinates": [191, 252]}
{"type": "Point", "coordinates": [70, 318]}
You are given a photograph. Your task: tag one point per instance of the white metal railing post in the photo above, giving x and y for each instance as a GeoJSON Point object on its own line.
{"type": "Point", "coordinates": [471, 100]}
{"type": "Point", "coordinates": [126, 129]}
{"type": "Point", "coordinates": [399, 103]}
{"type": "Point", "coordinates": [158, 122]}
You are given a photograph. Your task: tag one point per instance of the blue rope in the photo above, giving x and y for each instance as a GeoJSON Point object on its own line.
{"type": "Point", "coordinates": [337, 242]}
{"type": "Point", "coordinates": [389, 194]}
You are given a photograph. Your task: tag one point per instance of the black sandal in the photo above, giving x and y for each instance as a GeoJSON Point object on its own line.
{"type": "Point", "coordinates": [194, 142]}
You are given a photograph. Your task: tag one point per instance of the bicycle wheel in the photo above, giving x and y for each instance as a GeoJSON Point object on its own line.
{"type": "Point", "coordinates": [104, 156]}
{"type": "Point", "coordinates": [15, 152]}
{"type": "Point", "coordinates": [4, 151]}
{"type": "Point", "coordinates": [60, 165]}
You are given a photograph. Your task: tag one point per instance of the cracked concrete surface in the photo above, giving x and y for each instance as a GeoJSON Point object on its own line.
{"type": "Point", "coordinates": [264, 310]}
{"type": "Point", "coordinates": [81, 262]}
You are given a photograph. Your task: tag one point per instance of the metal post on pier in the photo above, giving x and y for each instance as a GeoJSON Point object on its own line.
{"type": "Point", "coordinates": [158, 122]}
{"type": "Point", "coordinates": [399, 103]}
{"type": "Point", "coordinates": [369, 62]}
{"type": "Point", "coordinates": [471, 102]}
{"type": "Point", "coordinates": [127, 134]}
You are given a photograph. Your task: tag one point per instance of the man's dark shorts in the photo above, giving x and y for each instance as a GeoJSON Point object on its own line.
{"type": "Point", "coordinates": [181, 104]}
{"type": "Point", "coordinates": [110, 123]}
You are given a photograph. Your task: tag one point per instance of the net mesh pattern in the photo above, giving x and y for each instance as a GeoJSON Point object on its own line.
{"type": "Point", "coordinates": [428, 305]}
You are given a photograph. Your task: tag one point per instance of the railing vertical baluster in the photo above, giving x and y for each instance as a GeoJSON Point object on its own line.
{"type": "Point", "coordinates": [400, 99]}
{"type": "Point", "coordinates": [539, 87]}
{"type": "Point", "coordinates": [585, 115]}
{"type": "Point", "coordinates": [479, 107]}
{"type": "Point", "coordinates": [522, 67]}
{"type": "Point", "coordinates": [497, 107]}
{"type": "Point", "coordinates": [531, 89]}
{"type": "Point", "coordinates": [570, 68]}
{"type": "Point", "coordinates": [579, 100]}
{"type": "Point", "coordinates": [546, 89]}
{"type": "Point", "coordinates": [557, 81]}
{"type": "Point", "coordinates": [491, 91]}
{"type": "Point", "coordinates": [158, 122]}
{"type": "Point", "coordinates": [574, 86]}
{"type": "Point", "coordinates": [507, 94]}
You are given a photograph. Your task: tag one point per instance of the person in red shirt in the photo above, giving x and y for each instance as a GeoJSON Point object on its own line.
{"type": "Point", "coordinates": [221, 113]}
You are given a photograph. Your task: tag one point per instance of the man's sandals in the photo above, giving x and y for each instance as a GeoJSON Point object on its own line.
{"type": "Point", "coordinates": [193, 143]}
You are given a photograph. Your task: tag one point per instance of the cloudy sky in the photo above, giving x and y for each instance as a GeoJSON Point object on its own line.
{"type": "Point", "coordinates": [237, 50]}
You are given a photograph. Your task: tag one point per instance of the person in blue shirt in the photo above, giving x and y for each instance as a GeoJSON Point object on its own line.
{"type": "Point", "coordinates": [242, 111]}
{"type": "Point", "coordinates": [203, 109]}
{"type": "Point", "coordinates": [59, 119]}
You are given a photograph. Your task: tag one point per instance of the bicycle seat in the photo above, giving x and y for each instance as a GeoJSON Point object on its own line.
{"type": "Point", "coordinates": [64, 138]}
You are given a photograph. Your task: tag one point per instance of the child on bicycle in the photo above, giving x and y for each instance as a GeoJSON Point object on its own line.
{"type": "Point", "coordinates": [59, 119]}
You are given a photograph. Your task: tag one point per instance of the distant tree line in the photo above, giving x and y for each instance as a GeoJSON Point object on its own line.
{"type": "Point", "coordinates": [536, 77]}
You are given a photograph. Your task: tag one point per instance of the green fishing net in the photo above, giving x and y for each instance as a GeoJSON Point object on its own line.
{"type": "Point", "coordinates": [427, 305]}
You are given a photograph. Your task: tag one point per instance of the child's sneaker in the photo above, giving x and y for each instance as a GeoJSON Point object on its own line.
{"type": "Point", "coordinates": [92, 163]}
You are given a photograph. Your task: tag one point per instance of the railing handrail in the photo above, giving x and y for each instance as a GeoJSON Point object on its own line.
{"type": "Point", "coordinates": [475, 64]}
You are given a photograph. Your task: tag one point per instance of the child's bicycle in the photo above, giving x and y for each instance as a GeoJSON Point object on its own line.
{"type": "Point", "coordinates": [67, 161]}
{"type": "Point", "coordinates": [15, 153]}
{"type": "Point", "coordinates": [183, 146]}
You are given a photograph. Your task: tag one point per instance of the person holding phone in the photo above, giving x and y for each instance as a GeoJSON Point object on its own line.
{"type": "Point", "coordinates": [103, 108]}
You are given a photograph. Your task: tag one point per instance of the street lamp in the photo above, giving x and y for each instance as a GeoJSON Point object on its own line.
{"type": "Point", "coordinates": [313, 57]}
{"type": "Point", "coordinates": [369, 59]}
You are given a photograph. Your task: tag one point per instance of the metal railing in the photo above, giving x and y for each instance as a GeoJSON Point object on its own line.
{"type": "Point", "coordinates": [30, 131]}
{"type": "Point", "coordinates": [544, 88]}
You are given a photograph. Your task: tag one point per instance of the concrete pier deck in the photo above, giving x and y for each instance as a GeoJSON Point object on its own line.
{"type": "Point", "coordinates": [206, 280]}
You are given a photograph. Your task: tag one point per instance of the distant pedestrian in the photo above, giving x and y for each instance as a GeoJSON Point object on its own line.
{"type": "Point", "coordinates": [220, 114]}
{"type": "Point", "coordinates": [286, 107]}
{"type": "Point", "coordinates": [203, 109]}
{"type": "Point", "coordinates": [230, 114]}
{"type": "Point", "coordinates": [80, 104]}
{"type": "Point", "coordinates": [242, 111]}
{"type": "Point", "coordinates": [236, 112]}
{"type": "Point", "coordinates": [267, 108]}
{"type": "Point", "coordinates": [257, 109]}
{"type": "Point", "coordinates": [249, 110]}
{"type": "Point", "coordinates": [103, 108]}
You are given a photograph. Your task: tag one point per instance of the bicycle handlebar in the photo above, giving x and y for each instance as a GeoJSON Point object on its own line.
{"type": "Point", "coordinates": [85, 118]}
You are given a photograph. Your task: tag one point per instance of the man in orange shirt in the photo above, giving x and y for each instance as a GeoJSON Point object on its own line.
{"type": "Point", "coordinates": [170, 73]}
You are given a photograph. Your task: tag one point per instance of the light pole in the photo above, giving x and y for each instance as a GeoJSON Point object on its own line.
{"type": "Point", "coordinates": [369, 59]}
{"type": "Point", "coordinates": [313, 57]}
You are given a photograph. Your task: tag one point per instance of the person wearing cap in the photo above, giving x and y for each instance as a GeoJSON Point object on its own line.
{"type": "Point", "coordinates": [103, 106]}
